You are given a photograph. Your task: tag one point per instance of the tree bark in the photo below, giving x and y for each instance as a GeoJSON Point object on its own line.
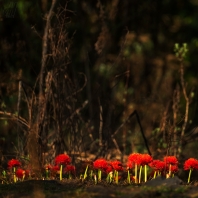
{"type": "Point", "coordinates": [33, 142]}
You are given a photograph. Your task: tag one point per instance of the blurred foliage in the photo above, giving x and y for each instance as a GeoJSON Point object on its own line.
{"type": "Point", "coordinates": [126, 51]}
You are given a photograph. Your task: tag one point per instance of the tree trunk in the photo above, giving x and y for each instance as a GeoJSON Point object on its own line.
{"type": "Point", "coordinates": [34, 151]}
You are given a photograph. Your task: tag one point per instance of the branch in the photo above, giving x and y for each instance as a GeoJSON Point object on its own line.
{"type": "Point", "coordinates": [187, 106]}
{"type": "Point", "coordinates": [101, 124]}
{"type": "Point", "coordinates": [80, 89]}
{"type": "Point", "coordinates": [180, 52]}
{"type": "Point", "coordinates": [186, 98]}
{"type": "Point", "coordinates": [141, 129]}
{"type": "Point", "coordinates": [15, 118]}
{"type": "Point", "coordinates": [44, 53]}
{"type": "Point", "coordinates": [45, 39]}
{"type": "Point", "coordinates": [43, 63]}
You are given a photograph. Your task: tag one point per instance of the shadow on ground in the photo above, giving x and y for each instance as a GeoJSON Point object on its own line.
{"type": "Point", "coordinates": [78, 189]}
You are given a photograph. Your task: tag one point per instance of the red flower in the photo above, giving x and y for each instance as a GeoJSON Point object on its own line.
{"type": "Point", "coordinates": [135, 158]}
{"type": "Point", "coordinates": [70, 168]}
{"type": "Point", "coordinates": [48, 167]}
{"type": "Point", "coordinates": [157, 165]}
{"type": "Point", "coordinates": [100, 164]}
{"type": "Point", "coordinates": [191, 163]}
{"type": "Point", "coordinates": [170, 160]}
{"type": "Point", "coordinates": [116, 165]}
{"type": "Point", "coordinates": [55, 168]}
{"type": "Point", "coordinates": [129, 165]}
{"type": "Point", "coordinates": [108, 169]}
{"type": "Point", "coordinates": [13, 163]}
{"type": "Point", "coordinates": [146, 159]}
{"type": "Point", "coordinates": [174, 169]}
{"type": "Point", "coordinates": [62, 159]}
{"type": "Point", "coordinates": [20, 173]}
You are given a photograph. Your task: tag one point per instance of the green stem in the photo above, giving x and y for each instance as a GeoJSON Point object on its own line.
{"type": "Point", "coordinates": [14, 170]}
{"type": "Point", "coordinates": [91, 174]}
{"type": "Point", "coordinates": [145, 173]}
{"type": "Point", "coordinates": [136, 181]}
{"type": "Point", "coordinates": [108, 178]}
{"type": "Point", "coordinates": [23, 176]}
{"type": "Point", "coordinates": [169, 173]}
{"type": "Point", "coordinates": [140, 174]}
{"type": "Point", "coordinates": [128, 177]}
{"type": "Point", "coordinates": [95, 179]}
{"type": "Point", "coordinates": [47, 173]}
{"type": "Point", "coordinates": [99, 174]}
{"type": "Point", "coordinates": [155, 173]}
{"type": "Point", "coordinates": [85, 174]}
{"type": "Point", "coordinates": [61, 172]}
{"type": "Point", "coordinates": [111, 176]}
{"type": "Point", "coordinates": [70, 175]}
{"type": "Point", "coordinates": [116, 179]}
{"type": "Point", "coordinates": [189, 175]}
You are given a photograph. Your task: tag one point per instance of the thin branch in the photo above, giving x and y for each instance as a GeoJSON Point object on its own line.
{"type": "Point", "coordinates": [116, 145]}
{"type": "Point", "coordinates": [186, 98]}
{"type": "Point", "coordinates": [100, 125]}
{"type": "Point", "coordinates": [187, 105]}
{"type": "Point", "coordinates": [80, 89]}
{"type": "Point", "coordinates": [14, 117]}
{"type": "Point", "coordinates": [175, 107]}
{"type": "Point", "coordinates": [44, 55]}
{"type": "Point", "coordinates": [140, 125]}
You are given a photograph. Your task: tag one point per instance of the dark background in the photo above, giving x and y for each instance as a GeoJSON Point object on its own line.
{"type": "Point", "coordinates": [118, 58]}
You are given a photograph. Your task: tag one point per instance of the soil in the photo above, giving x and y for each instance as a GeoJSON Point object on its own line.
{"type": "Point", "coordinates": [77, 189]}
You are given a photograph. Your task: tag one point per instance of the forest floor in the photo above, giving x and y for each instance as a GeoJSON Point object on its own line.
{"type": "Point", "coordinates": [78, 189]}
